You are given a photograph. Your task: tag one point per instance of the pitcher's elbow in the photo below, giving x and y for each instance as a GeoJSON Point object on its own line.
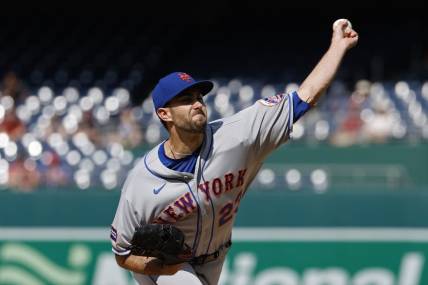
{"type": "Point", "coordinates": [120, 260]}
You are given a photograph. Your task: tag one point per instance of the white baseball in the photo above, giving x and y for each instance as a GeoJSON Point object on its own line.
{"type": "Point", "coordinates": [337, 22]}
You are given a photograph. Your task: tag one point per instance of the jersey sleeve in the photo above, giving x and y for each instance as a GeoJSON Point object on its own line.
{"type": "Point", "coordinates": [122, 229]}
{"type": "Point", "coordinates": [271, 123]}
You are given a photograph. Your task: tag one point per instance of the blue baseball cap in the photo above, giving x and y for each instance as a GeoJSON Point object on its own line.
{"type": "Point", "coordinates": [173, 84]}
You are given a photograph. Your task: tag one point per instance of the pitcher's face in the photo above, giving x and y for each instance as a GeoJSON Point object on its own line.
{"type": "Point", "coordinates": [188, 111]}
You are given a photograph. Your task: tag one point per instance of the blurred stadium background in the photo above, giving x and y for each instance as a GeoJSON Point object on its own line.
{"type": "Point", "coordinates": [344, 202]}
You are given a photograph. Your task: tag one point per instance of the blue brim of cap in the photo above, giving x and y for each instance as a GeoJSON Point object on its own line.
{"type": "Point", "coordinates": [205, 86]}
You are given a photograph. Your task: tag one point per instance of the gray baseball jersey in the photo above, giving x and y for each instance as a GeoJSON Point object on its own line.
{"type": "Point", "coordinates": [203, 204]}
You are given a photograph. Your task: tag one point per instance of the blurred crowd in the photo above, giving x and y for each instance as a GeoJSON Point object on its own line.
{"type": "Point", "coordinates": [58, 140]}
{"type": "Point", "coordinates": [91, 137]}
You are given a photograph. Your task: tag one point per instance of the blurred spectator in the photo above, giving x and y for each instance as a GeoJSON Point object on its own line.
{"type": "Point", "coordinates": [378, 127]}
{"type": "Point", "coordinates": [23, 174]}
{"type": "Point", "coordinates": [12, 86]}
{"type": "Point", "coordinates": [55, 126]}
{"type": "Point", "coordinates": [56, 173]}
{"type": "Point", "coordinates": [92, 131]}
{"type": "Point", "coordinates": [348, 132]}
{"type": "Point", "coordinates": [12, 125]}
{"type": "Point", "coordinates": [129, 130]}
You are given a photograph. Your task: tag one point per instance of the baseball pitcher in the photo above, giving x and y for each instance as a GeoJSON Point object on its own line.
{"type": "Point", "coordinates": [174, 220]}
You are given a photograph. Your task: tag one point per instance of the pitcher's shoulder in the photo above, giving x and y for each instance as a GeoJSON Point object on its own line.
{"type": "Point", "coordinates": [233, 120]}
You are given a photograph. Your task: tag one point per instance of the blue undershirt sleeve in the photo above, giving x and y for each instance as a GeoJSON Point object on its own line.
{"type": "Point", "coordinates": [299, 107]}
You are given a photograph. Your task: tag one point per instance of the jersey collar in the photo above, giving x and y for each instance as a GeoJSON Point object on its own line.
{"type": "Point", "coordinates": [157, 168]}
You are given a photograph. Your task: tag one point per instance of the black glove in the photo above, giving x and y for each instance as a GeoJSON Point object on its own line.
{"type": "Point", "coordinates": [165, 242]}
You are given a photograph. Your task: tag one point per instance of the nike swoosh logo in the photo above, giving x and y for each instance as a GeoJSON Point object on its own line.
{"type": "Point", "coordinates": [156, 191]}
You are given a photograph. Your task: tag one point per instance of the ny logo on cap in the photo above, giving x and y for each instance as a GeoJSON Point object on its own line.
{"type": "Point", "coordinates": [185, 77]}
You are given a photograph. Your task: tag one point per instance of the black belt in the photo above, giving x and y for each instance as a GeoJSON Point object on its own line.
{"type": "Point", "coordinates": [201, 259]}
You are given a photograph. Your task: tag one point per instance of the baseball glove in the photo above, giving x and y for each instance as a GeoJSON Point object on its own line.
{"type": "Point", "coordinates": [165, 242]}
